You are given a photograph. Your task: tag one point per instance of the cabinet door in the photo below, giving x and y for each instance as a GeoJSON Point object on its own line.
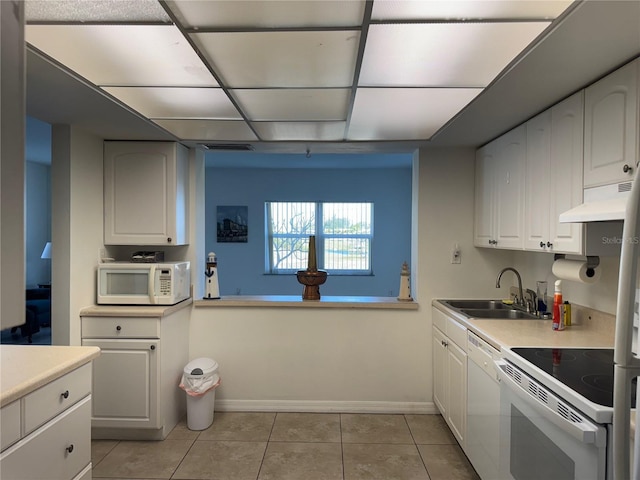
{"type": "Point", "coordinates": [611, 127]}
{"type": "Point", "coordinates": [145, 193]}
{"type": "Point", "coordinates": [566, 184]}
{"type": "Point", "coordinates": [59, 450]}
{"type": "Point", "coordinates": [440, 382]}
{"type": "Point", "coordinates": [536, 224]}
{"type": "Point", "coordinates": [457, 408]}
{"type": "Point", "coordinates": [125, 383]}
{"type": "Point", "coordinates": [509, 190]}
{"type": "Point", "coordinates": [484, 196]}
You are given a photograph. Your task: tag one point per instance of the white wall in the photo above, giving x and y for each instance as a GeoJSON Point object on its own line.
{"type": "Point", "coordinates": [77, 227]}
{"type": "Point", "coordinates": [362, 360]}
{"type": "Point", "coordinates": [601, 296]}
{"type": "Point", "coordinates": [38, 222]}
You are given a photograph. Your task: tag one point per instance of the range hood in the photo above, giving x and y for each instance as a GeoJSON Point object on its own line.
{"type": "Point", "coordinates": [601, 204]}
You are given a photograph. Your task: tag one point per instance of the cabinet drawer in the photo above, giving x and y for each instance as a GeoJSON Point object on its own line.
{"type": "Point", "coordinates": [439, 319]}
{"type": "Point", "coordinates": [10, 421]}
{"type": "Point", "coordinates": [47, 402]}
{"type": "Point", "coordinates": [452, 329]}
{"type": "Point", "coordinates": [120, 327]}
{"type": "Point", "coordinates": [457, 332]}
{"type": "Point", "coordinates": [61, 449]}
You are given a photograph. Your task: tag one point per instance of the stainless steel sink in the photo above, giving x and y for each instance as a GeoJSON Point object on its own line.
{"type": "Point", "coordinates": [497, 314]}
{"type": "Point", "coordinates": [477, 304]}
{"type": "Point", "coordinates": [488, 309]}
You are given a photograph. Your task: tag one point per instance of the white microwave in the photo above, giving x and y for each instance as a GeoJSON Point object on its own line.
{"type": "Point", "coordinates": [143, 283]}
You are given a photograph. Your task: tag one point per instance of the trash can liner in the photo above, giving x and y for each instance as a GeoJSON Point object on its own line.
{"type": "Point", "coordinates": [200, 376]}
{"type": "Point", "coordinates": [198, 385]}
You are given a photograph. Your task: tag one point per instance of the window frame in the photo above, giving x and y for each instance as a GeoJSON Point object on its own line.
{"type": "Point", "coordinates": [321, 238]}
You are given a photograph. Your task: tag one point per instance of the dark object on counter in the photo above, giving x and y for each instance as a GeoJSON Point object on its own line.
{"type": "Point", "coordinates": [147, 257]}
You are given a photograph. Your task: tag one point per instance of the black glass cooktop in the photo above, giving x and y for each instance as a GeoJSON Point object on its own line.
{"type": "Point", "coordinates": [587, 371]}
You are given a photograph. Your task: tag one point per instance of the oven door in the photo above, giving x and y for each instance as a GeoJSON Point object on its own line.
{"type": "Point", "coordinates": [543, 437]}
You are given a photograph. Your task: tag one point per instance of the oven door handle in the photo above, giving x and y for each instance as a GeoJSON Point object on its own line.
{"type": "Point", "coordinates": [583, 431]}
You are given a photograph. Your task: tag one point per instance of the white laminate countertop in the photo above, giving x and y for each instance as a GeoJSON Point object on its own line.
{"type": "Point", "coordinates": [26, 368]}
{"type": "Point", "coordinates": [134, 310]}
{"type": "Point", "coordinates": [588, 330]}
{"type": "Point", "coordinates": [296, 301]}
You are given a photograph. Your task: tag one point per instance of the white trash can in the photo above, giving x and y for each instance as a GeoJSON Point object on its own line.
{"type": "Point", "coordinates": [199, 380]}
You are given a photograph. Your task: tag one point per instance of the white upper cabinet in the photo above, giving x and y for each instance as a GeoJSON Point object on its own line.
{"type": "Point", "coordinates": [554, 177]}
{"type": "Point", "coordinates": [145, 193]}
{"type": "Point", "coordinates": [484, 196]}
{"type": "Point", "coordinates": [510, 188]}
{"type": "Point", "coordinates": [537, 188]}
{"type": "Point", "coordinates": [565, 181]}
{"type": "Point", "coordinates": [611, 127]}
{"type": "Point", "coordinates": [499, 207]}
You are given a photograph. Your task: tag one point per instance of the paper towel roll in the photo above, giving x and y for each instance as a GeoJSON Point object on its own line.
{"type": "Point", "coordinates": [575, 271]}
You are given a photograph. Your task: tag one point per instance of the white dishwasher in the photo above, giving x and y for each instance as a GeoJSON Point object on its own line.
{"type": "Point", "coordinates": [483, 408]}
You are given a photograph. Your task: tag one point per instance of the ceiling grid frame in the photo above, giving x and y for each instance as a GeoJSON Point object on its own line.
{"type": "Point", "coordinates": [363, 28]}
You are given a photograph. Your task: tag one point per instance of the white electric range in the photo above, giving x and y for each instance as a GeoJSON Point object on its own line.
{"type": "Point", "coordinates": [556, 413]}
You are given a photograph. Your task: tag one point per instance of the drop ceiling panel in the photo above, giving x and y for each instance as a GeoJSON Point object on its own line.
{"type": "Point", "coordinates": [94, 11]}
{"type": "Point", "coordinates": [282, 59]}
{"type": "Point", "coordinates": [447, 9]}
{"type": "Point", "coordinates": [405, 113]}
{"type": "Point", "coordinates": [311, 131]}
{"type": "Point", "coordinates": [235, 14]}
{"type": "Point", "coordinates": [208, 130]}
{"type": "Point", "coordinates": [177, 102]}
{"type": "Point", "coordinates": [124, 55]}
{"type": "Point", "coordinates": [302, 104]}
{"type": "Point", "coordinates": [437, 55]}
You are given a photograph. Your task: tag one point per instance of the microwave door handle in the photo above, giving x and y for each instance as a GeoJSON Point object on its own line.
{"type": "Point", "coordinates": [152, 282]}
{"type": "Point", "coordinates": [585, 432]}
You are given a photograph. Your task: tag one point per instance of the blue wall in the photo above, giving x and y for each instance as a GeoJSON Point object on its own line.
{"type": "Point", "coordinates": [241, 266]}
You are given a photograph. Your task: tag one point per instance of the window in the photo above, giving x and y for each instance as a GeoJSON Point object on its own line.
{"type": "Point", "coordinates": [344, 234]}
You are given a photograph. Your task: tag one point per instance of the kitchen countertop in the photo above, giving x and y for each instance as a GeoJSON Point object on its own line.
{"type": "Point", "coordinates": [589, 329]}
{"type": "Point", "coordinates": [276, 301]}
{"type": "Point", "coordinates": [26, 368]}
{"type": "Point", "coordinates": [134, 310]}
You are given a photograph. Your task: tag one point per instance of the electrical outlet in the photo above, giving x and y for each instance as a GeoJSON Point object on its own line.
{"type": "Point", "coordinates": [456, 255]}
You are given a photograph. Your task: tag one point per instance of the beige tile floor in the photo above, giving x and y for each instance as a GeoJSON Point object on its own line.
{"type": "Point", "coordinates": [292, 446]}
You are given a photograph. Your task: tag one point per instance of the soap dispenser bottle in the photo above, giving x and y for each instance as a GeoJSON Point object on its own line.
{"type": "Point", "coordinates": [557, 322]}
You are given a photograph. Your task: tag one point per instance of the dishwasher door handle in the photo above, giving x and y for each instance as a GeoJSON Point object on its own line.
{"type": "Point", "coordinates": [569, 421]}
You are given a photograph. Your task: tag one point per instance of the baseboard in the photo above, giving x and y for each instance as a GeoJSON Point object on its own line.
{"type": "Point", "coordinates": [324, 406]}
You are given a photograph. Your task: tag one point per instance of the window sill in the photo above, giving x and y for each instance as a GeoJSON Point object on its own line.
{"type": "Point", "coordinates": [278, 301]}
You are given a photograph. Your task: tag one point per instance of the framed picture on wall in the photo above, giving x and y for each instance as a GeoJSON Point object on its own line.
{"type": "Point", "coordinates": [232, 221]}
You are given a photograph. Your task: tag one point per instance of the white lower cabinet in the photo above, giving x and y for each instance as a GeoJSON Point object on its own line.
{"type": "Point", "coordinates": [450, 373]}
{"type": "Point", "coordinates": [133, 399]}
{"type": "Point", "coordinates": [136, 377]}
{"type": "Point", "coordinates": [55, 441]}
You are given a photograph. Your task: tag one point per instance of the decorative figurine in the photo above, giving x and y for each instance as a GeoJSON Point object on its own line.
{"type": "Point", "coordinates": [405, 284]}
{"type": "Point", "coordinates": [311, 278]}
{"type": "Point", "coordinates": [212, 289]}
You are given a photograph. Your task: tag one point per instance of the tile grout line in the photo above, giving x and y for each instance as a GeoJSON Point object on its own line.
{"type": "Point", "coordinates": [186, 453]}
{"type": "Point", "coordinates": [264, 454]}
{"type": "Point", "coordinates": [415, 444]}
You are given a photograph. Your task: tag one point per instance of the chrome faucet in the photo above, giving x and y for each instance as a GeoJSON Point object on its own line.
{"type": "Point", "coordinates": [520, 300]}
